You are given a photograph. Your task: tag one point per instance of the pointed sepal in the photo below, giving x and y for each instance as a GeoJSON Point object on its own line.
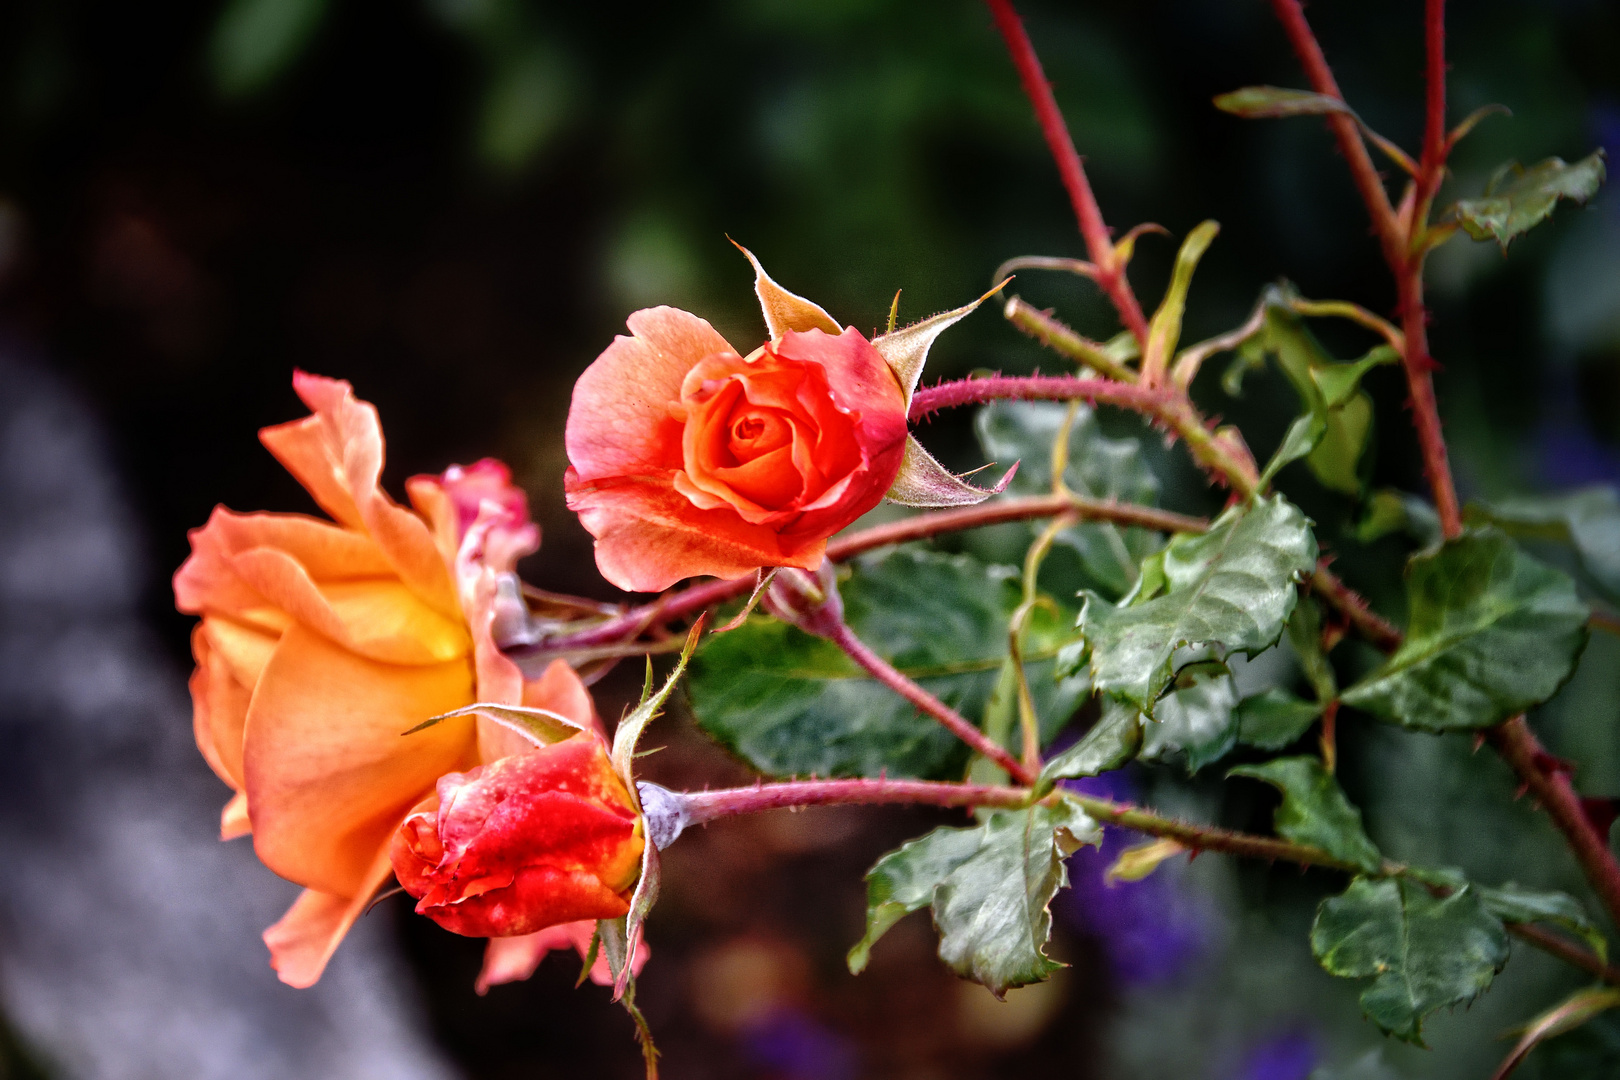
{"type": "Point", "coordinates": [924, 482]}
{"type": "Point", "coordinates": [906, 350]}
{"type": "Point", "coordinates": [783, 310]}
{"type": "Point", "coordinates": [542, 727]}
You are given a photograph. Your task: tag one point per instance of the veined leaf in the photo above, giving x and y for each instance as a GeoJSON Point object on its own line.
{"type": "Point", "coordinates": [792, 704]}
{"type": "Point", "coordinates": [1315, 811]}
{"type": "Point", "coordinates": [1274, 718]}
{"type": "Point", "coordinates": [1423, 952]}
{"type": "Point", "coordinates": [1112, 741]}
{"type": "Point", "coordinates": [1587, 519]}
{"type": "Point", "coordinates": [1332, 434]}
{"type": "Point", "coordinates": [1514, 903]}
{"type": "Point", "coordinates": [1195, 723]}
{"type": "Point", "coordinates": [989, 886]}
{"type": "Point", "coordinates": [1229, 589]}
{"type": "Point", "coordinates": [1492, 632]}
{"type": "Point", "coordinates": [1098, 466]}
{"type": "Point", "coordinates": [1517, 199]}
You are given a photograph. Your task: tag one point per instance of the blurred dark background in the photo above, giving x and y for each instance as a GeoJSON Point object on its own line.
{"type": "Point", "coordinates": [455, 203]}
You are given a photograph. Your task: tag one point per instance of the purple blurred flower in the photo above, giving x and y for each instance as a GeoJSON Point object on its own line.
{"type": "Point", "coordinates": [1152, 930]}
{"type": "Point", "coordinates": [793, 1046]}
{"type": "Point", "coordinates": [1288, 1056]}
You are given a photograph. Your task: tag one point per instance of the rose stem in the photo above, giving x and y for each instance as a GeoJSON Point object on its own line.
{"type": "Point", "coordinates": [1405, 252]}
{"type": "Point", "coordinates": [697, 598]}
{"type": "Point", "coordinates": [1110, 267]}
{"type": "Point", "coordinates": [841, 635]}
{"type": "Point", "coordinates": [706, 806]}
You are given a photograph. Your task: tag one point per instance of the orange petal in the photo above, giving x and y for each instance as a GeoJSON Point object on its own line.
{"type": "Point", "coordinates": [560, 690]}
{"type": "Point", "coordinates": [328, 552]}
{"type": "Point", "coordinates": [380, 618]}
{"type": "Point", "coordinates": [329, 774]}
{"type": "Point", "coordinates": [307, 936]}
{"type": "Point", "coordinates": [233, 820]}
{"type": "Point", "coordinates": [219, 705]}
{"type": "Point", "coordinates": [618, 421]}
{"type": "Point", "coordinates": [649, 536]}
{"type": "Point", "coordinates": [338, 455]}
{"type": "Point", "coordinates": [428, 496]}
{"type": "Point", "coordinates": [513, 959]}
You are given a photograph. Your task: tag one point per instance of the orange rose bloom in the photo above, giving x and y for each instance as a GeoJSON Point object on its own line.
{"type": "Point", "coordinates": [534, 840]}
{"type": "Point", "coordinates": [321, 642]}
{"type": "Point", "coordinates": [689, 458]}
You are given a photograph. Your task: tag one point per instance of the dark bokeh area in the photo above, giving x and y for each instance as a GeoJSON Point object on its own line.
{"type": "Point", "coordinates": [455, 203]}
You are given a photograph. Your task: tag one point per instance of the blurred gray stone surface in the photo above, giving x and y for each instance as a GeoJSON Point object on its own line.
{"type": "Point", "coordinates": [129, 935]}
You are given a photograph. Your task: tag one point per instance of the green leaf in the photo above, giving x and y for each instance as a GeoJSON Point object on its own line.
{"type": "Point", "coordinates": [1492, 632]}
{"type": "Point", "coordinates": [1100, 467]}
{"type": "Point", "coordinates": [1423, 952]}
{"type": "Point", "coordinates": [1587, 519]}
{"type": "Point", "coordinates": [1517, 199]}
{"type": "Point", "coordinates": [1305, 635]}
{"type": "Point", "coordinates": [1332, 434]}
{"type": "Point", "coordinates": [1274, 719]}
{"type": "Point", "coordinates": [1165, 329]}
{"type": "Point", "coordinates": [1272, 102]}
{"type": "Point", "coordinates": [1229, 589]}
{"type": "Point", "coordinates": [792, 704]}
{"type": "Point", "coordinates": [1196, 723]}
{"type": "Point", "coordinates": [1514, 903]}
{"type": "Point", "coordinates": [255, 41]}
{"type": "Point", "coordinates": [989, 887]}
{"type": "Point", "coordinates": [1315, 811]}
{"type": "Point", "coordinates": [1113, 740]}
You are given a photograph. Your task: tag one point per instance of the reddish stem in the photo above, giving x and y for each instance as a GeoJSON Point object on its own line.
{"type": "Point", "coordinates": [1550, 785]}
{"type": "Point", "coordinates": [948, 395]}
{"type": "Point", "coordinates": [1291, 13]}
{"type": "Point", "coordinates": [701, 806]}
{"type": "Point", "coordinates": [842, 636]}
{"type": "Point", "coordinates": [1396, 236]}
{"type": "Point", "coordinates": [1110, 270]}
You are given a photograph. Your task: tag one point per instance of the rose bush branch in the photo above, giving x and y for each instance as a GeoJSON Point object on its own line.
{"type": "Point", "coordinates": [1406, 246]}
{"type": "Point", "coordinates": [701, 807]}
{"type": "Point", "coordinates": [813, 605]}
{"type": "Point", "coordinates": [1401, 235]}
{"type": "Point", "coordinates": [1110, 272]}
{"type": "Point", "coordinates": [628, 626]}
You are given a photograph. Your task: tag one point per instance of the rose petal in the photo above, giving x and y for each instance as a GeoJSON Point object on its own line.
{"type": "Point", "coordinates": [329, 775]}
{"type": "Point", "coordinates": [618, 421]}
{"type": "Point", "coordinates": [649, 536]}
{"type": "Point", "coordinates": [305, 938]}
{"type": "Point", "coordinates": [219, 705]}
{"type": "Point", "coordinates": [234, 820]}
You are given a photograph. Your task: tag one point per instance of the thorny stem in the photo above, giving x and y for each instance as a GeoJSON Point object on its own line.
{"type": "Point", "coordinates": [1291, 14]}
{"type": "Point", "coordinates": [1223, 457]}
{"type": "Point", "coordinates": [1405, 248]}
{"type": "Point", "coordinates": [957, 392]}
{"type": "Point", "coordinates": [695, 598]}
{"type": "Point", "coordinates": [1061, 339]}
{"type": "Point", "coordinates": [1400, 236]}
{"type": "Point", "coordinates": [1110, 268]}
{"type": "Point", "coordinates": [1548, 780]}
{"type": "Point", "coordinates": [1565, 950]}
{"type": "Point", "coordinates": [705, 806]}
{"type": "Point", "coordinates": [841, 635]}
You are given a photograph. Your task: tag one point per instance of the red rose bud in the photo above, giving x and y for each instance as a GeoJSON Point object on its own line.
{"type": "Point", "coordinates": [540, 838]}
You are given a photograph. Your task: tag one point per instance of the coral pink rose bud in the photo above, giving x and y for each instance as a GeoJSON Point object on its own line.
{"type": "Point", "coordinates": [689, 458]}
{"type": "Point", "coordinates": [534, 840]}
